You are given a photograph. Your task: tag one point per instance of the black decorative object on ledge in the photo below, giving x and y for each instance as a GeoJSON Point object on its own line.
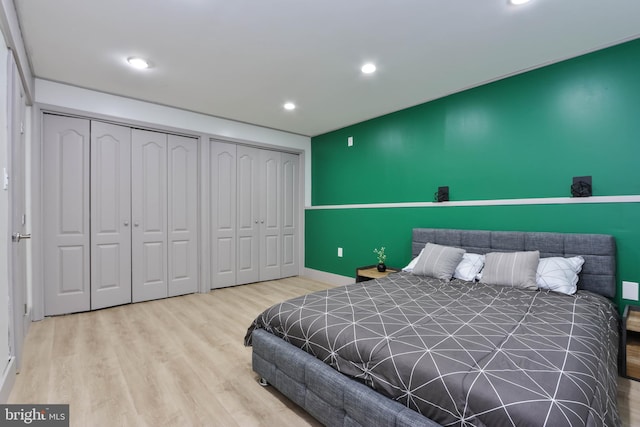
{"type": "Point", "coordinates": [581, 186]}
{"type": "Point", "coordinates": [442, 195]}
{"type": "Point", "coordinates": [381, 267]}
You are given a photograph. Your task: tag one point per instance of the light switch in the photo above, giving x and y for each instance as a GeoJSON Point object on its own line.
{"type": "Point", "coordinates": [340, 252]}
{"type": "Point", "coordinates": [630, 291]}
{"type": "Point", "coordinates": [350, 141]}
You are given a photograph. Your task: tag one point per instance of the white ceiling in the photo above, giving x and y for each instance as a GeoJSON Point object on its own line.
{"type": "Point", "coordinates": [242, 59]}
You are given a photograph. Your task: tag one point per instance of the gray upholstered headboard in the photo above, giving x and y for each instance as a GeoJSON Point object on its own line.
{"type": "Point", "coordinates": [599, 251]}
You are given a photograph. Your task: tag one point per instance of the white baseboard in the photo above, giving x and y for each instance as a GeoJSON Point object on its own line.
{"type": "Point", "coordinates": [8, 379]}
{"type": "Point", "coordinates": [331, 278]}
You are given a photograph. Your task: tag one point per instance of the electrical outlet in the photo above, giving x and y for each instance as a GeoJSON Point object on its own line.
{"type": "Point", "coordinates": [630, 290]}
{"type": "Point", "coordinates": [340, 252]}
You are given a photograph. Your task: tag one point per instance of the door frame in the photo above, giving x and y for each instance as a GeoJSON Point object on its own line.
{"type": "Point", "coordinates": [19, 317]}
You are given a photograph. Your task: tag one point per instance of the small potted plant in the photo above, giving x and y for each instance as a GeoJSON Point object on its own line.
{"type": "Point", "coordinates": [381, 258]}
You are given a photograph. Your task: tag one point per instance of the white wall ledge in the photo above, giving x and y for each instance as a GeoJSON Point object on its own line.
{"type": "Point", "coordinates": [496, 202]}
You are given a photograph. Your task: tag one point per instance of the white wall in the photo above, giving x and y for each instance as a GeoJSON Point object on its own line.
{"type": "Point", "coordinates": [49, 93]}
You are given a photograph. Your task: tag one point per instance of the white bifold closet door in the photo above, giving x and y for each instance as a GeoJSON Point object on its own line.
{"type": "Point", "coordinates": [66, 233]}
{"type": "Point", "coordinates": [182, 215]}
{"type": "Point", "coordinates": [269, 214]}
{"type": "Point", "coordinates": [258, 203]}
{"type": "Point", "coordinates": [223, 213]}
{"type": "Point", "coordinates": [254, 214]}
{"type": "Point", "coordinates": [164, 206]}
{"type": "Point", "coordinates": [121, 214]}
{"type": "Point", "coordinates": [290, 199]}
{"type": "Point", "coordinates": [149, 215]}
{"type": "Point", "coordinates": [110, 215]}
{"type": "Point", "coordinates": [248, 215]}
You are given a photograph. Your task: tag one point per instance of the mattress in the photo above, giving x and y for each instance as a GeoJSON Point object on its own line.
{"type": "Point", "coordinates": [464, 353]}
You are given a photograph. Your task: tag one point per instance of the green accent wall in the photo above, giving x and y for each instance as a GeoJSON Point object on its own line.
{"type": "Point", "coordinates": [522, 137]}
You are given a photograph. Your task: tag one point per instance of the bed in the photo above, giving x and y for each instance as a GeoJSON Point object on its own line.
{"type": "Point", "coordinates": [412, 350]}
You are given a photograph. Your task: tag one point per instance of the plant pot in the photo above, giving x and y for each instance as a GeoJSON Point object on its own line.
{"type": "Point", "coordinates": [381, 267]}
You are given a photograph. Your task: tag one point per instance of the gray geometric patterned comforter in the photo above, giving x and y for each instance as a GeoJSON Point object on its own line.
{"type": "Point", "coordinates": [464, 354]}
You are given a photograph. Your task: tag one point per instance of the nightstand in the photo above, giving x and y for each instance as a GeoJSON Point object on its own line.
{"type": "Point", "coordinates": [631, 342]}
{"type": "Point", "coordinates": [370, 272]}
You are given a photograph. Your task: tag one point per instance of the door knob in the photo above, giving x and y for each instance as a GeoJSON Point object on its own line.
{"type": "Point", "coordinates": [256, 221]}
{"type": "Point", "coordinates": [135, 224]}
{"type": "Point", "coordinates": [262, 222]}
{"type": "Point", "coordinates": [16, 237]}
{"type": "Point", "coordinates": [126, 223]}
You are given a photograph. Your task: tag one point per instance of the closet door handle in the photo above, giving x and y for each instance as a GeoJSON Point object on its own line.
{"type": "Point", "coordinates": [262, 222]}
{"type": "Point", "coordinates": [256, 221]}
{"type": "Point", "coordinates": [135, 224]}
{"type": "Point", "coordinates": [16, 237]}
{"type": "Point", "coordinates": [126, 223]}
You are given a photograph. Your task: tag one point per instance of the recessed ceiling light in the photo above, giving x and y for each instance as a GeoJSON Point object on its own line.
{"type": "Point", "coordinates": [368, 68]}
{"type": "Point", "coordinates": [289, 106]}
{"type": "Point", "coordinates": [518, 2]}
{"type": "Point", "coordinates": [137, 62]}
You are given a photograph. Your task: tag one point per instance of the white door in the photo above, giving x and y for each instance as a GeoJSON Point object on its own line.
{"type": "Point", "coordinates": [270, 210]}
{"type": "Point", "coordinates": [223, 214]}
{"type": "Point", "coordinates": [290, 202]}
{"type": "Point", "coordinates": [66, 230]}
{"type": "Point", "coordinates": [110, 215]}
{"type": "Point", "coordinates": [17, 190]}
{"type": "Point", "coordinates": [248, 215]}
{"type": "Point", "coordinates": [183, 215]}
{"type": "Point", "coordinates": [149, 215]}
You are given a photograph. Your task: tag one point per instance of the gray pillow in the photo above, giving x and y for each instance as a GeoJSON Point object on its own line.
{"type": "Point", "coordinates": [439, 261]}
{"type": "Point", "coordinates": [516, 269]}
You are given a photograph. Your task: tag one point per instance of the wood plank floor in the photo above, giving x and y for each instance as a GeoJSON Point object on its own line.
{"type": "Point", "coordinates": [174, 362]}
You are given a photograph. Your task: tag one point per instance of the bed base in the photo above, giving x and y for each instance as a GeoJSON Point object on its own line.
{"type": "Point", "coordinates": [329, 396]}
{"type": "Point", "coordinates": [336, 400]}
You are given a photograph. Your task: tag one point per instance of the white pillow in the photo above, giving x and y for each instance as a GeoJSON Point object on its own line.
{"type": "Point", "coordinates": [559, 274]}
{"type": "Point", "coordinates": [469, 267]}
{"type": "Point", "coordinates": [412, 264]}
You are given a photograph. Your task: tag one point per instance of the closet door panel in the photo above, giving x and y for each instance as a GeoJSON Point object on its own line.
{"type": "Point", "coordinates": [223, 214]}
{"type": "Point", "coordinates": [183, 215]}
{"type": "Point", "coordinates": [110, 215]}
{"type": "Point", "coordinates": [66, 223]}
{"type": "Point", "coordinates": [290, 211]}
{"type": "Point", "coordinates": [148, 208]}
{"type": "Point", "coordinates": [248, 227]}
{"type": "Point", "coordinates": [270, 210]}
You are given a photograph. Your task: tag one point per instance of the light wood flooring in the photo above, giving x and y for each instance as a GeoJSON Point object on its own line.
{"type": "Point", "coordinates": [174, 362]}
